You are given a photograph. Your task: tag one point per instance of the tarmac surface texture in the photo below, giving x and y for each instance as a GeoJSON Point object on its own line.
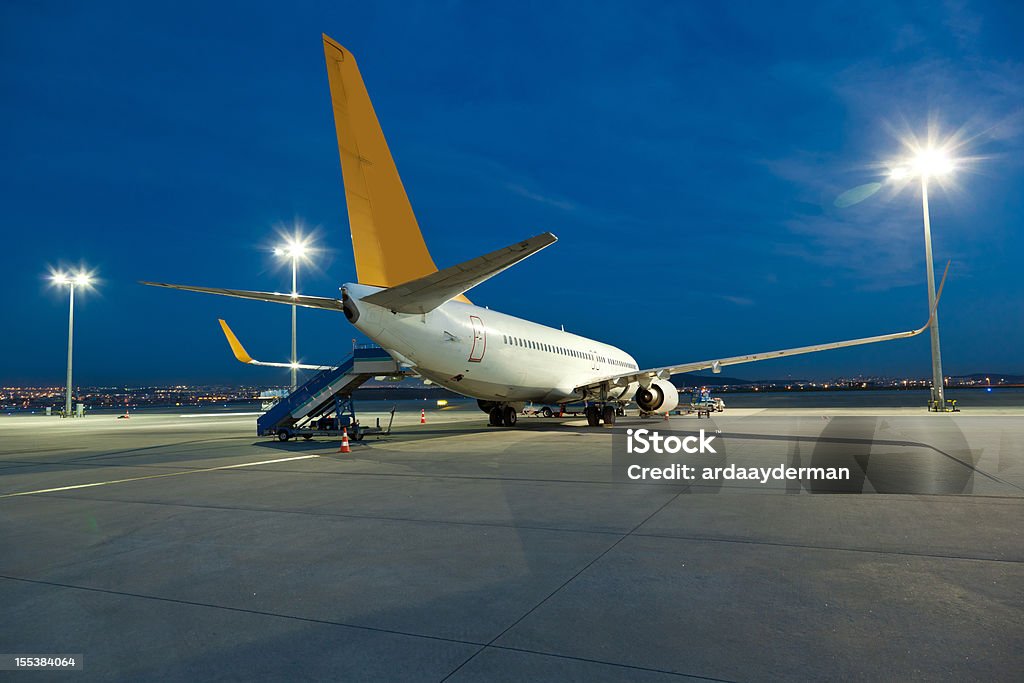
{"type": "Point", "coordinates": [183, 547]}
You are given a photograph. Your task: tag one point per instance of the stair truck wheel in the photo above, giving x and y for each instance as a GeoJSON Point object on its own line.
{"type": "Point", "coordinates": [283, 435]}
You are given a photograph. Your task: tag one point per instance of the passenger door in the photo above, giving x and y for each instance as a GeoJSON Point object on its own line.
{"type": "Point", "coordinates": [476, 353]}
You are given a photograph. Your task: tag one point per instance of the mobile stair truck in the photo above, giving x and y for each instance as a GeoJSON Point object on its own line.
{"type": "Point", "coordinates": [323, 405]}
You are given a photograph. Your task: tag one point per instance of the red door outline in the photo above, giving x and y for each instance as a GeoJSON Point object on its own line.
{"type": "Point", "coordinates": [476, 354]}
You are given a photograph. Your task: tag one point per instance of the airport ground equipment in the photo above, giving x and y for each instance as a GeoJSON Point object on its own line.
{"type": "Point", "coordinates": [323, 405]}
{"type": "Point", "coordinates": [936, 406]}
{"type": "Point", "coordinates": [703, 404]}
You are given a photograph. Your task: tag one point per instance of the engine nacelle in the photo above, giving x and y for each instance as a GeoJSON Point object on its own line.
{"type": "Point", "coordinates": [487, 406]}
{"type": "Point", "coordinates": [660, 397]}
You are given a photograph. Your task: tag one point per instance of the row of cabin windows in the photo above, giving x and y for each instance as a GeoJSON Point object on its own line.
{"type": "Point", "coordinates": [562, 350]}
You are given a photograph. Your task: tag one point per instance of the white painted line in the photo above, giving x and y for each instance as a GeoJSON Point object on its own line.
{"type": "Point", "coordinates": [157, 476]}
{"type": "Point", "coordinates": [218, 414]}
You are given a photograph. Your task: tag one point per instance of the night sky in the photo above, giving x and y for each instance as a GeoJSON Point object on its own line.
{"type": "Point", "coordinates": [688, 155]}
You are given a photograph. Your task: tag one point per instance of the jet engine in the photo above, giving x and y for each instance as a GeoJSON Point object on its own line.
{"type": "Point", "coordinates": [349, 306]}
{"type": "Point", "coordinates": [660, 397]}
{"type": "Point", "coordinates": [487, 406]}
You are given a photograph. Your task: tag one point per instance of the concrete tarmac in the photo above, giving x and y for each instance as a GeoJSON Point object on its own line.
{"type": "Point", "coordinates": [183, 547]}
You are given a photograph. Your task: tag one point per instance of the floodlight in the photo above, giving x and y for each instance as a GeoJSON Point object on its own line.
{"type": "Point", "coordinates": [933, 162]}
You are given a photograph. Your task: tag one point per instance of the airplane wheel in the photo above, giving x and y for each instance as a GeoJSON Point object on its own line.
{"type": "Point", "coordinates": [509, 416]}
{"type": "Point", "coordinates": [593, 417]}
{"type": "Point", "coordinates": [545, 411]}
{"type": "Point", "coordinates": [495, 417]}
{"type": "Point", "coordinates": [283, 435]}
{"type": "Point", "coordinates": [609, 415]}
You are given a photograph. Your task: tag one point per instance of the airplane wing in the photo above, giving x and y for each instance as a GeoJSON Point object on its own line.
{"type": "Point", "coordinates": [715, 365]}
{"type": "Point", "coordinates": [274, 297]}
{"type": "Point", "coordinates": [243, 356]}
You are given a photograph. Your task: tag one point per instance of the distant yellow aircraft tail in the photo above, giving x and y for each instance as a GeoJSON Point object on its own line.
{"type": "Point", "coordinates": [386, 239]}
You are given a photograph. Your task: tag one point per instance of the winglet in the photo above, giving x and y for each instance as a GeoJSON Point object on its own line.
{"type": "Point", "coordinates": [236, 346]}
{"type": "Point", "coordinates": [942, 283]}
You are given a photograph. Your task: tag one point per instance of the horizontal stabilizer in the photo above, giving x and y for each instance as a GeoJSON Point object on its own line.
{"type": "Point", "coordinates": [275, 297]}
{"type": "Point", "coordinates": [427, 293]}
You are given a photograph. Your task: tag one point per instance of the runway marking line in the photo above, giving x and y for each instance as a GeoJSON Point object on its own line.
{"type": "Point", "coordinates": [157, 476]}
{"type": "Point", "coordinates": [219, 414]}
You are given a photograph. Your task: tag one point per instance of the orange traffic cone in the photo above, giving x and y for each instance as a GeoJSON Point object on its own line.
{"type": "Point", "coordinates": [344, 441]}
{"type": "Point", "coordinates": [423, 416]}
{"type": "Point", "coordinates": [666, 417]}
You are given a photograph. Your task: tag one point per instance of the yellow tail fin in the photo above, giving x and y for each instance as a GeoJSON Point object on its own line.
{"type": "Point", "coordinates": [386, 239]}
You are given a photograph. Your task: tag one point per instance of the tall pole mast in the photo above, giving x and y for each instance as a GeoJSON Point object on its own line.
{"type": "Point", "coordinates": [295, 292]}
{"type": "Point", "coordinates": [938, 384]}
{"type": "Point", "coordinates": [71, 336]}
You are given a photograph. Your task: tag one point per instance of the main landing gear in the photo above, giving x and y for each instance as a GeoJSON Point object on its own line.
{"type": "Point", "coordinates": [506, 415]}
{"type": "Point", "coordinates": [596, 414]}
{"type": "Point", "coordinates": [503, 416]}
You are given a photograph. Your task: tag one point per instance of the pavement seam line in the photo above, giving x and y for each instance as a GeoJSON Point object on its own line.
{"type": "Point", "coordinates": [520, 527]}
{"type": "Point", "coordinates": [564, 584]}
{"type": "Point", "coordinates": [243, 610]}
{"type": "Point", "coordinates": [341, 624]}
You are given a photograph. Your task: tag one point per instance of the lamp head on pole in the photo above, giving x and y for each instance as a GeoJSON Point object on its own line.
{"type": "Point", "coordinates": [932, 155]}
{"type": "Point", "coordinates": [296, 248]}
{"type": "Point", "coordinates": [929, 162]}
{"type": "Point", "coordinates": [82, 278]}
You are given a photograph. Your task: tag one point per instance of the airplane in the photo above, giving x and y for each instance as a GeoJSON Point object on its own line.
{"type": "Point", "coordinates": [422, 318]}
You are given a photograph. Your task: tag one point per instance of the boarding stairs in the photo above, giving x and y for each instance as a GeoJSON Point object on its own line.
{"type": "Point", "coordinates": [319, 396]}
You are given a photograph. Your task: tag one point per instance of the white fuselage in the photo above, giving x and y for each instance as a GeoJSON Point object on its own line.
{"type": "Point", "coordinates": [491, 356]}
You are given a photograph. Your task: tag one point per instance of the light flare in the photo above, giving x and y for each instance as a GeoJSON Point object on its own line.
{"type": "Point", "coordinates": [81, 278]}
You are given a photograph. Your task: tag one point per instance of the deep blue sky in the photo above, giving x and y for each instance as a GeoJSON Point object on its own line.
{"type": "Point", "coordinates": [687, 155]}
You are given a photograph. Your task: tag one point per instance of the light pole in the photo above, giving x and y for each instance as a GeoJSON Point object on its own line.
{"type": "Point", "coordinates": [81, 279]}
{"type": "Point", "coordinates": [295, 249]}
{"type": "Point", "coordinates": [929, 163]}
